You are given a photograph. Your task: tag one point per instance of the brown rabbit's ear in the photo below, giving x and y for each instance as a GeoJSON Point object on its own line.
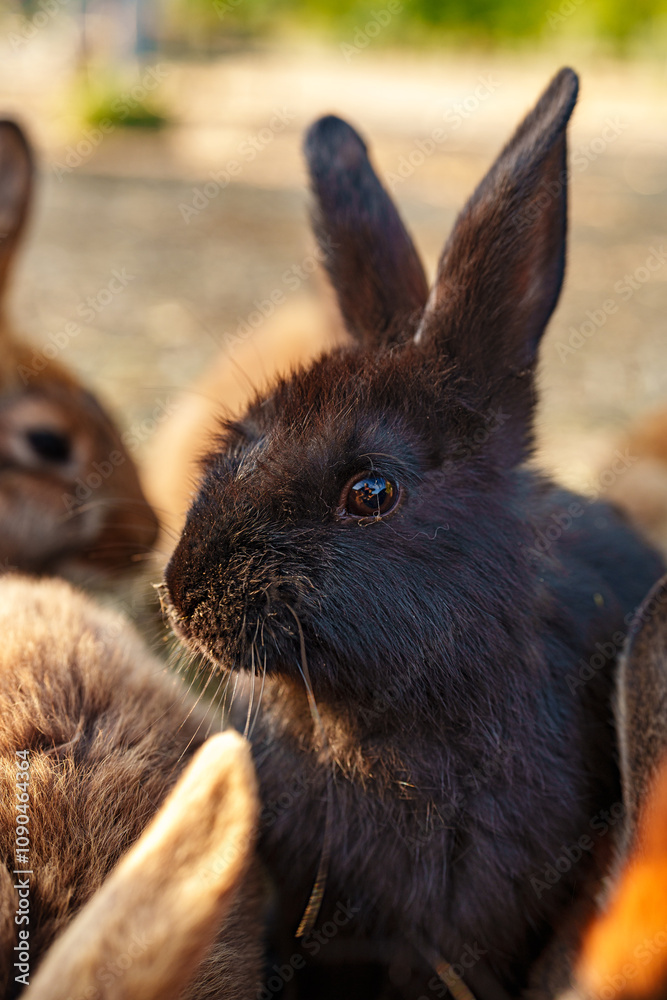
{"type": "Point", "coordinates": [368, 253]}
{"type": "Point", "coordinates": [642, 701]}
{"type": "Point", "coordinates": [501, 271]}
{"type": "Point", "coordinates": [158, 914]}
{"type": "Point", "coordinates": [16, 170]}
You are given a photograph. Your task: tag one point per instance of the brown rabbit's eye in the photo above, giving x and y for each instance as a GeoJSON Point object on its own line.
{"type": "Point", "coordinates": [370, 495]}
{"type": "Point", "coordinates": [50, 445]}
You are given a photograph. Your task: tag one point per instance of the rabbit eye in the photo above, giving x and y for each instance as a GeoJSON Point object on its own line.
{"type": "Point", "coordinates": [370, 495]}
{"type": "Point", "coordinates": [50, 445]}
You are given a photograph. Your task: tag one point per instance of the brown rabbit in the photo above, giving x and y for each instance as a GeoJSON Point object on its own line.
{"type": "Point", "coordinates": [70, 498]}
{"type": "Point", "coordinates": [94, 733]}
{"type": "Point", "coordinates": [624, 953]}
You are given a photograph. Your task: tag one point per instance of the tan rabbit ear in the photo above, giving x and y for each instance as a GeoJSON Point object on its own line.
{"type": "Point", "coordinates": [642, 702]}
{"type": "Point", "coordinates": [16, 171]}
{"type": "Point", "coordinates": [146, 931]}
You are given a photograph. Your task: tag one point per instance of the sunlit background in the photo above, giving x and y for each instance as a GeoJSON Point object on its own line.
{"type": "Point", "coordinates": [169, 132]}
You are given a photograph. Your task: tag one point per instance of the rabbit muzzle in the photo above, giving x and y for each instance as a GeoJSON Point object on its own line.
{"type": "Point", "coordinates": [237, 606]}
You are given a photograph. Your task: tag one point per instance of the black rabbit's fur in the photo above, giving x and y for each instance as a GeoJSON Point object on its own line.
{"type": "Point", "coordinates": [462, 737]}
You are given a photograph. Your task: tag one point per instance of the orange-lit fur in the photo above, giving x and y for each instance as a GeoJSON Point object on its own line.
{"type": "Point", "coordinates": [628, 943]}
{"type": "Point", "coordinates": [641, 490]}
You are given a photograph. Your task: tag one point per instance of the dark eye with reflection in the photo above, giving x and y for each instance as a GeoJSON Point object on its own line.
{"type": "Point", "coordinates": [52, 446]}
{"type": "Point", "coordinates": [370, 495]}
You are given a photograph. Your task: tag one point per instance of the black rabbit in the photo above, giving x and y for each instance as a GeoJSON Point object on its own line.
{"type": "Point", "coordinates": [437, 625]}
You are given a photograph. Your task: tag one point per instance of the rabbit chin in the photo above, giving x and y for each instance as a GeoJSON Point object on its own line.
{"type": "Point", "coordinates": [227, 656]}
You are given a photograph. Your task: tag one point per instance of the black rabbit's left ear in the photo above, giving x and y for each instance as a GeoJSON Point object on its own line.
{"type": "Point", "coordinates": [501, 271]}
{"type": "Point", "coordinates": [371, 260]}
{"type": "Point", "coordinates": [16, 170]}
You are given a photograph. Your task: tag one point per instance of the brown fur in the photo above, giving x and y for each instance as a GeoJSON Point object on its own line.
{"type": "Point", "coordinates": [109, 733]}
{"type": "Point", "coordinates": [45, 524]}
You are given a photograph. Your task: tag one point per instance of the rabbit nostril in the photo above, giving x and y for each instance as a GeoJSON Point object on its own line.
{"type": "Point", "coordinates": [50, 445]}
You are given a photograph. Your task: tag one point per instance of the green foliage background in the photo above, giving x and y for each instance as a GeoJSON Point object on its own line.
{"type": "Point", "coordinates": [615, 24]}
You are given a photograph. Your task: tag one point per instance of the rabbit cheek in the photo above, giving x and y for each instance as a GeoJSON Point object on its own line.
{"type": "Point", "coordinates": [124, 532]}
{"type": "Point", "coordinates": [36, 530]}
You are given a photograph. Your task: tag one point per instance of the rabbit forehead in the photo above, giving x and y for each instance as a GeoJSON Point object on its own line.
{"type": "Point", "coordinates": [359, 395]}
{"type": "Point", "coordinates": [344, 415]}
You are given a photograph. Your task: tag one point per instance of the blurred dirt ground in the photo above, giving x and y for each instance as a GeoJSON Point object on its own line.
{"type": "Point", "coordinates": [118, 207]}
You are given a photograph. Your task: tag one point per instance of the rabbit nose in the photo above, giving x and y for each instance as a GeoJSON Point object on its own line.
{"type": "Point", "coordinates": [174, 581]}
{"type": "Point", "coordinates": [179, 574]}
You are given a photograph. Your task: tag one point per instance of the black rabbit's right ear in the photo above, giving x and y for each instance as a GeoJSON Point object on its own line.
{"type": "Point", "coordinates": [642, 701]}
{"type": "Point", "coordinates": [16, 170]}
{"type": "Point", "coordinates": [501, 271]}
{"type": "Point", "coordinates": [371, 260]}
